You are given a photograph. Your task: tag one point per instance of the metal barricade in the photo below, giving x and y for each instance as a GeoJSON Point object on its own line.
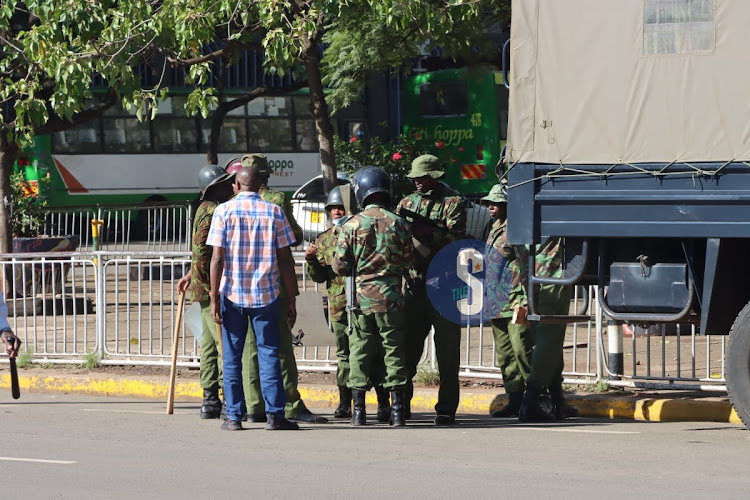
{"type": "Point", "coordinates": [122, 306]}
{"type": "Point", "coordinates": [51, 304]}
{"type": "Point", "coordinates": [163, 227]}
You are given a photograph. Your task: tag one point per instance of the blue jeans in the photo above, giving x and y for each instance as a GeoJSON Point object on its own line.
{"type": "Point", "coordinates": [265, 322]}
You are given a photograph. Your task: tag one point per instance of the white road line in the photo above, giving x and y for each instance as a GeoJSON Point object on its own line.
{"type": "Point", "coordinates": [584, 431]}
{"type": "Point", "coordinates": [38, 460]}
{"type": "Point", "coordinates": [131, 411]}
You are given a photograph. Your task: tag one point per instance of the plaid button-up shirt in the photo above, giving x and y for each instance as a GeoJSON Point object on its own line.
{"type": "Point", "coordinates": [250, 231]}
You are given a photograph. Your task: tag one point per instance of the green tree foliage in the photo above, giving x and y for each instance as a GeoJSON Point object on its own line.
{"type": "Point", "coordinates": [371, 36]}
{"type": "Point", "coordinates": [50, 51]}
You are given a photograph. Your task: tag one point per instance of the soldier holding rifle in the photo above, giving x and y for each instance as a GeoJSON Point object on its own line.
{"type": "Point", "coordinates": [448, 216]}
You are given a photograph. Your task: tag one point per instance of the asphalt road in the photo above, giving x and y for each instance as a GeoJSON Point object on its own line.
{"type": "Point", "coordinates": [69, 446]}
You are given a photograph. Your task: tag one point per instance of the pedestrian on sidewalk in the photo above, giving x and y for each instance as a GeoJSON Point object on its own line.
{"type": "Point", "coordinates": [215, 187]}
{"type": "Point", "coordinates": [251, 257]}
{"type": "Point", "coordinates": [6, 332]}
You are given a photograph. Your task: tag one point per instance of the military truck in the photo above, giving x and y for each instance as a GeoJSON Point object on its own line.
{"type": "Point", "coordinates": [629, 136]}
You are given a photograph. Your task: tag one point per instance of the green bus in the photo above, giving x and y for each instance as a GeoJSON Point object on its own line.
{"type": "Point", "coordinates": [465, 112]}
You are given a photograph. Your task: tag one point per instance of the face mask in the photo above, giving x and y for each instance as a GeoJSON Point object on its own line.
{"type": "Point", "coordinates": [339, 222]}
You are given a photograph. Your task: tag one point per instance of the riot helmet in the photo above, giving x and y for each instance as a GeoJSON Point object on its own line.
{"type": "Point", "coordinates": [210, 175]}
{"type": "Point", "coordinates": [234, 165]}
{"type": "Point", "coordinates": [368, 181]}
{"type": "Point", "coordinates": [334, 198]}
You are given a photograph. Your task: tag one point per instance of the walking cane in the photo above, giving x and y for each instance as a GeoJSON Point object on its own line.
{"type": "Point", "coordinates": [175, 340]}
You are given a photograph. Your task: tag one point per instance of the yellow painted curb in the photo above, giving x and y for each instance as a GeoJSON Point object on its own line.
{"type": "Point", "coordinates": [592, 406]}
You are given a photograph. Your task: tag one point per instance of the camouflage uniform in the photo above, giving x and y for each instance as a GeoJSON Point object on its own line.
{"type": "Point", "coordinates": [547, 361]}
{"type": "Point", "coordinates": [320, 271]}
{"type": "Point", "coordinates": [251, 379]}
{"type": "Point", "coordinates": [376, 246]}
{"type": "Point", "coordinates": [200, 285]}
{"type": "Point", "coordinates": [513, 342]}
{"type": "Point", "coordinates": [439, 206]}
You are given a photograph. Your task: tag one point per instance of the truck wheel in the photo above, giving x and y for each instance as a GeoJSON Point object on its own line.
{"type": "Point", "coordinates": [738, 365]}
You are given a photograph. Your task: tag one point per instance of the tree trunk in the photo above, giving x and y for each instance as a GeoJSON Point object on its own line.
{"type": "Point", "coordinates": [319, 108]}
{"type": "Point", "coordinates": [8, 155]}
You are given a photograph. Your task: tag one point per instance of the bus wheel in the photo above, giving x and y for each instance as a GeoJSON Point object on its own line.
{"type": "Point", "coordinates": [738, 365]}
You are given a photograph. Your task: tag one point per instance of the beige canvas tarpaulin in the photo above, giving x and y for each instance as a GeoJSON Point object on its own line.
{"type": "Point", "coordinates": [629, 81]}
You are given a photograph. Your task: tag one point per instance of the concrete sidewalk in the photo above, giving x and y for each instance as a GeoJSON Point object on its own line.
{"type": "Point", "coordinates": [665, 406]}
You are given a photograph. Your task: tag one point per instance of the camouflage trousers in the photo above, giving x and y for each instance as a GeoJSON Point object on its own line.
{"type": "Point", "coordinates": [514, 346]}
{"type": "Point", "coordinates": [289, 375]}
{"type": "Point", "coordinates": [377, 340]}
{"type": "Point", "coordinates": [340, 335]}
{"type": "Point", "coordinates": [547, 360]}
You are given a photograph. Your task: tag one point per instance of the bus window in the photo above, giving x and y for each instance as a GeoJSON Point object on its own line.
{"type": "Point", "coordinates": [441, 99]}
{"type": "Point", "coordinates": [233, 137]}
{"type": "Point", "coordinates": [270, 135]}
{"type": "Point", "coordinates": [126, 135]}
{"type": "Point", "coordinates": [175, 135]}
{"type": "Point", "coordinates": [302, 106]}
{"type": "Point", "coordinates": [307, 139]}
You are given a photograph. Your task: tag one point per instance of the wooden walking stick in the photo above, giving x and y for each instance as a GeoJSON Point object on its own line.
{"type": "Point", "coordinates": [175, 340]}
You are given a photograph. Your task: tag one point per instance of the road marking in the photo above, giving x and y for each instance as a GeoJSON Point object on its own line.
{"type": "Point", "coordinates": [128, 411]}
{"type": "Point", "coordinates": [38, 460]}
{"type": "Point", "coordinates": [586, 431]}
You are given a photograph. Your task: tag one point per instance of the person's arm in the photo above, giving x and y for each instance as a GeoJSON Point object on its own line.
{"type": "Point", "coordinates": [343, 260]}
{"type": "Point", "coordinates": [217, 269]}
{"type": "Point", "coordinates": [288, 281]}
{"type": "Point", "coordinates": [296, 229]}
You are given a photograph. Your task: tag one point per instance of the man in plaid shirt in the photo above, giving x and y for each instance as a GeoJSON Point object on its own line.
{"type": "Point", "coordinates": [251, 240]}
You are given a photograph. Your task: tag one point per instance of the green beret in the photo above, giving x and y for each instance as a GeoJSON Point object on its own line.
{"type": "Point", "coordinates": [497, 195]}
{"type": "Point", "coordinates": [258, 161]}
{"type": "Point", "coordinates": [426, 165]}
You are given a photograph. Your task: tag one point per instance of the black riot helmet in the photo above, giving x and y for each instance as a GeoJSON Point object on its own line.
{"type": "Point", "coordinates": [368, 181]}
{"type": "Point", "coordinates": [210, 175]}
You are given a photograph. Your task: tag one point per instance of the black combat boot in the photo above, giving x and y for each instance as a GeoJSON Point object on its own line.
{"type": "Point", "coordinates": [531, 410]}
{"type": "Point", "coordinates": [511, 409]}
{"type": "Point", "coordinates": [560, 407]}
{"type": "Point", "coordinates": [384, 404]}
{"type": "Point", "coordinates": [359, 416]}
{"type": "Point", "coordinates": [211, 407]}
{"type": "Point", "coordinates": [344, 410]}
{"type": "Point", "coordinates": [397, 408]}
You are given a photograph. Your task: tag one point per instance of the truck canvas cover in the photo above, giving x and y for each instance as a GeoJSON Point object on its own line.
{"type": "Point", "coordinates": [629, 81]}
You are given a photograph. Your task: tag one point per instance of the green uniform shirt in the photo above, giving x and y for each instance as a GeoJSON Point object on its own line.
{"type": "Point", "coordinates": [320, 271]}
{"type": "Point", "coordinates": [200, 259]}
{"type": "Point", "coordinates": [547, 261]}
{"type": "Point", "coordinates": [440, 206]}
{"type": "Point", "coordinates": [498, 240]}
{"type": "Point", "coordinates": [377, 245]}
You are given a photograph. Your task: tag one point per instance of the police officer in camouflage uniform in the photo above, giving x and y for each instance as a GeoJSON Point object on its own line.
{"type": "Point", "coordinates": [433, 201]}
{"type": "Point", "coordinates": [318, 257]}
{"type": "Point", "coordinates": [513, 341]}
{"type": "Point", "coordinates": [216, 187]}
{"type": "Point", "coordinates": [295, 408]}
{"type": "Point", "coordinates": [547, 360]}
{"type": "Point", "coordinates": [376, 246]}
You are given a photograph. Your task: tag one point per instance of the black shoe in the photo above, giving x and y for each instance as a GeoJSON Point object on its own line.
{"type": "Point", "coordinates": [531, 410]}
{"type": "Point", "coordinates": [560, 408]}
{"type": "Point", "coordinates": [445, 420]}
{"type": "Point", "coordinates": [277, 423]}
{"type": "Point", "coordinates": [232, 425]}
{"type": "Point", "coordinates": [344, 409]}
{"type": "Point", "coordinates": [256, 418]}
{"type": "Point", "coordinates": [309, 417]}
{"type": "Point", "coordinates": [384, 405]}
{"type": "Point", "coordinates": [511, 409]}
{"type": "Point", "coordinates": [359, 415]}
{"type": "Point", "coordinates": [211, 406]}
{"type": "Point", "coordinates": [396, 418]}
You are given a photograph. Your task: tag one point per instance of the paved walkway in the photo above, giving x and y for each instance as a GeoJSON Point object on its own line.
{"type": "Point", "coordinates": [673, 406]}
